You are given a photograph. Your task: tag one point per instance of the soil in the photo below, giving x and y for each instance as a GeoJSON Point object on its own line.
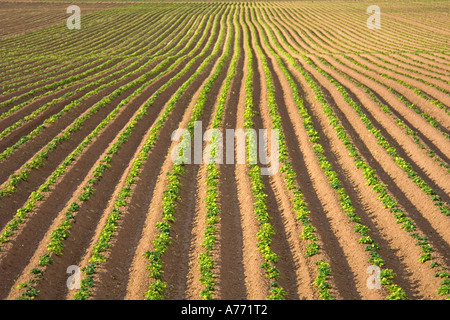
{"type": "Point", "coordinates": [312, 37]}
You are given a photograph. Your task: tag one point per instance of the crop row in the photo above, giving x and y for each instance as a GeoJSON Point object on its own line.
{"type": "Point", "coordinates": [298, 203]}
{"type": "Point", "coordinates": [171, 193]}
{"type": "Point", "coordinates": [402, 163]}
{"type": "Point", "coordinates": [68, 47]}
{"type": "Point", "coordinates": [206, 260]}
{"type": "Point", "coordinates": [416, 109]}
{"type": "Point", "coordinates": [386, 274]}
{"type": "Point", "coordinates": [266, 230]}
{"type": "Point", "coordinates": [370, 175]}
{"type": "Point", "coordinates": [306, 26]}
{"type": "Point", "coordinates": [415, 90]}
{"type": "Point", "coordinates": [80, 89]}
{"type": "Point", "coordinates": [125, 47]}
{"type": "Point", "coordinates": [38, 159]}
{"type": "Point", "coordinates": [21, 213]}
{"type": "Point", "coordinates": [81, 43]}
{"type": "Point", "coordinates": [60, 234]}
{"type": "Point", "coordinates": [385, 108]}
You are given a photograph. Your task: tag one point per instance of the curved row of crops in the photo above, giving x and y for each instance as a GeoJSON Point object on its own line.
{"type": "Point", "coordinates": [86, 123]}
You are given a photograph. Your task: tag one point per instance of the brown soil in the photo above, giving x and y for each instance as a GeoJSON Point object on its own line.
{"type": "Point", "coordinates": [317, 30]}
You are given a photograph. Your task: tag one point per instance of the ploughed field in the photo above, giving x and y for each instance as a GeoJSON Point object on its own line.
{"type": "Point", "coordinates": [358, 207]}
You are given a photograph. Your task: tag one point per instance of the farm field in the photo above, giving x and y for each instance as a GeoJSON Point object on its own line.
{"type": "Point", "coordinates": [357, 209]}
